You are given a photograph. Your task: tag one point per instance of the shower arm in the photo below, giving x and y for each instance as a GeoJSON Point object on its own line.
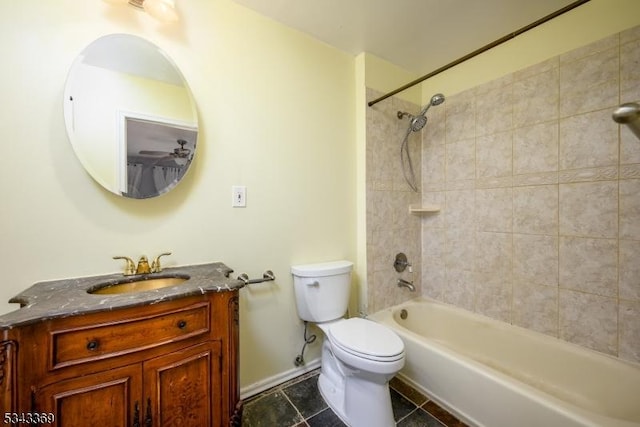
{"type": "Point", "coordinates": [629, 114]}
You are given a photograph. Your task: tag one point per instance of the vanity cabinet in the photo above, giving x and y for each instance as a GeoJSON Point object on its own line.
{"type": "Point", "coordinates": [171, 363]}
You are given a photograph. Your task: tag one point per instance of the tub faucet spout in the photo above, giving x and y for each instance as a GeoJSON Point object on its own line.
{"type": "Point", "coordinates": [406, 284]}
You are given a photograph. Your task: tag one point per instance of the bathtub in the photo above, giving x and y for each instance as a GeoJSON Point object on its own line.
{"type": "Point", "coordinates": [492, 374]}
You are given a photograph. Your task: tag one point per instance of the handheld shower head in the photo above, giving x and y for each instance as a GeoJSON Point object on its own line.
{"type": "Point", "coordinates": [437, 99]}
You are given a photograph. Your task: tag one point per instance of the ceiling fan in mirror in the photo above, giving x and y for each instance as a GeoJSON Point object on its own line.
{"type": "Point", "coordinates": [180, 155]}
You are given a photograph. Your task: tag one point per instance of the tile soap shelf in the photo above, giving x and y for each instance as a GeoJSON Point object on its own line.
{"type": "Point", "coordinates": [424, 209]}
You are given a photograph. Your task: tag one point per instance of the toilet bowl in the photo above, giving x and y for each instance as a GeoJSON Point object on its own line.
{"type": "Point", "coordinates": [359, 356]}
{"type": "Point", "coordinates": [366, 345]}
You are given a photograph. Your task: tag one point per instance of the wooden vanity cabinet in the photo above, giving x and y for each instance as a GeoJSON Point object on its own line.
{"type": "Point", "coordinates": [172, 363]}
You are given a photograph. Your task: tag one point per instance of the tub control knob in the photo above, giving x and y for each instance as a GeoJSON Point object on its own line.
{"type": "Point", "coordinates": [401, 263]}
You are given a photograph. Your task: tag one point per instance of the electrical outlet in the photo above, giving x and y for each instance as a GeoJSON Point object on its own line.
{"type": "Point", "coordinates": [239, 196]}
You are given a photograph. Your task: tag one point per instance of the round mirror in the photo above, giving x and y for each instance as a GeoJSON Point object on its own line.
{"type": "Point", "coordinates": [130, 116]}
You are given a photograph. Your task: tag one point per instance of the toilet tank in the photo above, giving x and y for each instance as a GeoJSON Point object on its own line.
{"type": "Point", "coordinates": [322, 290]}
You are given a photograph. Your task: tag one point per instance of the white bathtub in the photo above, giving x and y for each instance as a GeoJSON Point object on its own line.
{"type": "Point", "coordinates": [492, 374]}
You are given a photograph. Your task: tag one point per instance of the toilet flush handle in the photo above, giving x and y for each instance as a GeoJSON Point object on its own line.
{"type": "Point", "coordinates": [314, 283]}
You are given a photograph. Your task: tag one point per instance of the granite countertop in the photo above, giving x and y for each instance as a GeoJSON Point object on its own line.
{"type": "Point", "coordinates": [70, 297]}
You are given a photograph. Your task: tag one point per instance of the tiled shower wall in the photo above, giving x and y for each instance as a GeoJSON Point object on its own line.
{"type": "Point", "coordinates": [540, 200]}
{"type": "Point", "coordinates": [390, 227]}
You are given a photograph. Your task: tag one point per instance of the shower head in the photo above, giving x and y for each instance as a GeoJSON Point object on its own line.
{"type": "Point", "coordinates": [436, 99]}
{"type": "Point", "coordinates": [415, 122]}
{"type": "Point", "coordinates": [418, 122]}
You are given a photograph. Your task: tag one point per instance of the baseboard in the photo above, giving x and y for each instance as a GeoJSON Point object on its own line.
{"type": "Point", "coordinates": [276, 380]}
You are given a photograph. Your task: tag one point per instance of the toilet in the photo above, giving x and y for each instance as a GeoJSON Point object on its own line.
{"type": "Point", "coordinates": [359, 356]}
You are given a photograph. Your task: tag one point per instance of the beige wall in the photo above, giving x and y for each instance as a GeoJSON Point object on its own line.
{"type": "Point", "coordinates": [275, 113]}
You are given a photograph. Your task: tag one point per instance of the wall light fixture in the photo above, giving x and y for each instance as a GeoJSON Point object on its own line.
{"type": "Point", "coordinates": [162, 10]}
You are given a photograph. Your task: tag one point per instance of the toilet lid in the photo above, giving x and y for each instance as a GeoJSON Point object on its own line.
{"type": "Point", "coordinates": [365, 337]}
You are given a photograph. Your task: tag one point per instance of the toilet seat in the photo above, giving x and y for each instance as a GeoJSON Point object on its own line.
{"type": "Point", "coordinates": [366, 339]}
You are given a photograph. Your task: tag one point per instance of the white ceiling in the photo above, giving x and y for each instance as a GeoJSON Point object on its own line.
{"type": "Point", "coordinates": [417, 35]}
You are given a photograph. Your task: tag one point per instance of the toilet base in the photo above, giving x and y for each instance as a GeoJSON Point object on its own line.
{"type": "Point", "coordinates": [358, 398]}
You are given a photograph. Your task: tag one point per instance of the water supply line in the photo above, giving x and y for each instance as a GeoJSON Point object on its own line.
{"type": "Point", "coordinates": [299, 360]}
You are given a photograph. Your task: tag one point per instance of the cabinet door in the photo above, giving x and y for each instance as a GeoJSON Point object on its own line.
{"type": "Point", "coordinates": [183, 388]}
{"type": "Point", "coordinates": [110, 398]}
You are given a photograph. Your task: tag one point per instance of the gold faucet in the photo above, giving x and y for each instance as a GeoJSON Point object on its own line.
{"type": "Point", "coordinates": [130, 268]}
{"type": "Point", "coordinates": [143, 265]}
{"type": "Point", "coordinates": [155, 265]}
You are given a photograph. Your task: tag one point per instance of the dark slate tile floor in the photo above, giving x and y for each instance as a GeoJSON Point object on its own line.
{"type": "Point", "coordinates": [298, 403]}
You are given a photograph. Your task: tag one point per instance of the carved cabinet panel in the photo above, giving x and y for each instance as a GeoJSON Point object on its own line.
{"type": "Point", "coordinates": [183, 388]}
{"type": "Point", "coordinates": [73, 401]}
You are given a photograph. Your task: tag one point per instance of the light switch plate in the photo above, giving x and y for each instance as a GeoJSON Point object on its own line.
{"type": "Point", "coordinates": [239, 196]}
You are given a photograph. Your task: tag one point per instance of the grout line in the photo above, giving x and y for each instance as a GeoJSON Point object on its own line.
{"type": "Point", "coordinates": [317, 413]}
{"type": "Point", "coordinates": [619, 165]}
{"type": "Point", "coordinates": [406, 416]}
{"type": "Point", "coordinates": [407, 397]}
{"type": "Point", "coordinates": [304, 420]}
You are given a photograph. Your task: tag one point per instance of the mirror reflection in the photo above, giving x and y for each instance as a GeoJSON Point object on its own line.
{"type": "Point", "coordinates": [130, 116]}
